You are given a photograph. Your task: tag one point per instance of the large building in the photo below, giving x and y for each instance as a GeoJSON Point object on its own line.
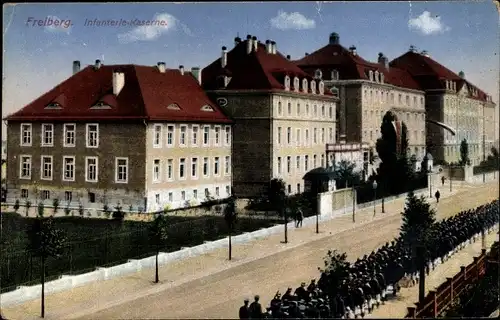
{"type": "Point", "coordinates": [283, 117]}
{"type": "Point", "coordinates": [367, 90]}
{"type": "Point", "coordinates": [132, 135]}
{"type": "Point", "coordinates": [455, 101]}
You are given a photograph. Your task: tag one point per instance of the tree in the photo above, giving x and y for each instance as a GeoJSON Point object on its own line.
{"type": "Point", "coordinates": [230, 217]}
{"type": "Point", "coordinates": [45, 241]}
{"type": "Point", "coordinates": [28, 206]}
{"type": "Point", "coordinates": [55, 204]}
{"type": "Point", "coordinates": [41, 209]}
{"type": "Point", "coordinates": [118, 214]}
{"type": "Point", "coordinates": [158, 235]}
{"type": "Point", "coordinates": [67, 211]}
{"type": "Point", "coordinates": [345, 174]}
{"type": "Point", "coordinates": [209, 201]}
{"type": "Point", "coordinates": [336, 270]}
{"type": "Point", "coordinates": [464, 153]}
{"type": "Point", "coordinates": [81, 211]}
{"type": "Point", "coordinates": [106, 210]}
{"type": "Point", "coordinates": [16, 206]}
{"type": "Point", "coordinates": [276, 196]}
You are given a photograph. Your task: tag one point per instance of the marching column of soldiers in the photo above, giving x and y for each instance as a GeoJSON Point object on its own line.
{"type": "Point", "coordinates": [375, 277]}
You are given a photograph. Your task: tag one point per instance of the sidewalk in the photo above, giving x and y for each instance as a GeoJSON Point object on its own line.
{"type": "Point", "coordinates": [106, 294]}
{"type": "Point", "coordinates": [407, 297]}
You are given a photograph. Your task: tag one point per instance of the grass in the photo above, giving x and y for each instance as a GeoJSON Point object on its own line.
{"type": "Point", "coordinates": [102, 243]}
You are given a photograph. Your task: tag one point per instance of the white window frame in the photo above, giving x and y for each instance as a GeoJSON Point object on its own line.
{"type": "Point", "coordinates": [87, 169]}
{"type": "Point", "coordinates": [87, 133]}
{"type": "Point", "coordinates": [208, 167]}
{"type": "Point", "coordinates": [28, 177]}
{"type": "Point", "coordinates": [127, 173]}
{"type": "Point", "coordinates": [29, 131]}
{"type": "Point", "coordinates": [217, 136]}
{"type": "Point", "coordinates": [279, 165]}
{"type": "Point", "coordinates": [68, 196]}
{"type": "Point", "coordinates": [194, 162]}
{"type": "Point", "coordinates": [289, 164]}
{"type": "Point", "coordinates": [65, 135]}
{"type": "Point", "coordinates": [170, 169]}
{"type": "Point", "coordinates": [157, 198]}
{"type": "Point", "coordinates": [51, 136]}
{"type": "Point", "coordinates": [64, 168]}
{"type": "Point", "coordinates": [206, 142]}
{"type": "Point", "coordinates": [298, 134]}
{"type": "Point", "coordinates": [289, 136]}
{"type": "Point", "coordinates": [42, 168]}
{"type": "Point", "coordinates": [45, 195]}
{"type": "Point", "coordinates": [279, 135]}
{"type": "Point", "coordinates": [217, 165]}
{"type": "Point", "coordinates": [181, 163]}
{"type": "Point", "coordinates": [195, 135]}
{"type": "Point", "coordinates": [195, 194]}
{"type": "Point", "coordinates": [156, 177]}
{"type": "Point", "coordinates": [227, 135]}
{"type": "Point", "coordinates": [157, 136]}
{"type": "Point", "coordinates": [170, 197]}
{"type": "Point", "coordinates": [323, 133]}
{"type": "Point", "coordinates": [297, 164]}
{"type": "Point", "coordinates": [183, 135]}
{"type": "Point", "coordinates": [170, 145]}
{"type": "Point", "coordinates": [227, 165]}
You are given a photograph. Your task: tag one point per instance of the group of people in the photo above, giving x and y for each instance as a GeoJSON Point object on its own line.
{"type": "Point", "coordinates": [371, 279]}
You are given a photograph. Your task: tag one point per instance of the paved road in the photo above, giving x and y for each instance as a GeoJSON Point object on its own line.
{"type": "Point", "coordinates": [219, 295]}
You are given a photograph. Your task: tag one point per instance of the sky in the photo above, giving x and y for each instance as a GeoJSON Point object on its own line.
{"type": "Point", "coordinates": [463, 36]}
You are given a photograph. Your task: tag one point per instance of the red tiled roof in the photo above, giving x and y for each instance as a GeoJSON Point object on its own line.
{"type": "Point", "coordinates": [431, 74]}
{"type": "Point", "coordinates": [351, 67]}
{"type": "Point", "coordinates": [255, 71]}
{"type": "Point", "coordinates": [146, 95]}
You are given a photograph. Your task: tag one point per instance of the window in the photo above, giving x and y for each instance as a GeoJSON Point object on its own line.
{"type": "Point", "coordinates": [195, 194]}
{"type": "Point", "coordinates": [322, 111]}
{"type": "Point", "coordinates": [297, 163]}
{"type": "Point", "coordinates": [289, 108]}
{"type": "Point", "coordinates": [288, 164]}
{"type": "Point", "coordinates": [298, 187]}
{"type": "Point", "coordinates": [323, 160]}
{"type": "Point", "coordinates": [315, 108]}
{"type": "Point", "coordinates": [297, 137]}
{"type": "Point", "coordinates": [298, 109]}
{"type": "Point", "coordinates": [289, 188]}
{"type": "Point", "coordinates": [25, 167]}
{"type": "Point", "coordinates": [157, 198]}
{"type": "Point", "coordinates": [68, 168]}
{"type": "Point", "coordinates": [228, 190]}
{"type": "Point", "coordinates": [306, 163]}
{"type": "Point", "coordinates": [26, 134]}
{"type": "Point", "coordinates": [47, 135]}
{"type": "Point", "coordinates": [121, 170]}
{"type": "Point", "coordinates": [307, 109]}
{"type": "Point", "coordinates": [24, 193]}
{"type": "Point", "coordinates": [45, 194]}
{"type": "Point", "coordinates": [400, 98]}
{"type": "Point", "coordinates": [322, 135]}
{"type": "Point", "coordinates": [217, 135]}
{"type": "Point", "coordinates": [227, 140]}
{"type": "Point", "coordinates": [170, 197]}
{"type": "Point", "coordinates": [330, 135]}
{"type": "Point", "coordinates": [156, 170]}
{"type": "Point", "coordinates": [194, 168]}
{"type": "Point", "coordinates": [68, 196]}
{"type": "Point", "coordinates": [69, 135]}
{"type": "Point", "coordinates": [216, 166]}
{"type": "Point", "coordinates": [227, 165]}
{"type": "Point", "coordinates": [315, 160]}
{"type": "Point", "coordinates": [205, 167]}
{"type": "Point", "coordinates": [288, 135]}
{"type": "Point", "coordinates": [182, 136]}
{"type": "Point", "coordinates": [307, 137]}
{"type": "Point", "coordinates": [315, 135]}
{"type": "Point", "coordinates": [279, 165]}
{"type": "Point", "coordinates": [330, 112]}
{"type": "Point", "coordinates": [91, 169]}
{"type": "Point", "coordinates": [194, 135]}
{"type": "Point", "coordinates": [335, 75]}
{"type": "Point", "coordinates": [207, 193]}
{"type": "Point", "coordinates": [182, 167]}
{"type": "Point", "coordinates": [280, 110]}
{"type": "Point", "coordinates": [206, 135]}
{"type": "Point", "coordinates": [157, 136]}
{"type": "Point", "coordinates": [279, 135]}
{"type": "Point", "coordinates": [170, 169]}
{"type": "Point", "coordinates": [92, 135]}
{"type": "Point", "coordinates": [217, 193]}
{"type": "Point", "coordinates": [46, 172]}
{"type": "Point", "coordinates": [170, 135]}
{"type": "Point", "coordinates": [183, 195]}
{"type": "Point", "coordinates": [371, 135]}
{"type": "Point", "coordinates": [392, 97]}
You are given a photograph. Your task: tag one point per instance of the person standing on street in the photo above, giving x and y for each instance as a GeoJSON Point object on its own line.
{"type": "Point", "coordinates": [443, 179]}
{"type": "Point", "coordinates": [256, 309]}
{"type": "Point", "coordinates": [437, 195]}
{"type": "Point", "coordinates": [300, 217]}
{"type": "Point", "coordinates": [244, 311]}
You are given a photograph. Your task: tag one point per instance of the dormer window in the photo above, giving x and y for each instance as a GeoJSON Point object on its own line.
{"type": "Point", "coordinates": [313, 86]}
{"type": "Point", "coordinates": [381, 78]}
{"type": "Point", "coordinates": [296, 84]}
{"type": "Point", "coordinates": [376, 76]}
{"type": "Point", "coordinates": [53, 105]}
{"type": "Point", "coordinates": [335, 75]}
{"type": "Point", "coordinates": [207, 108]}
{"type": "Point", "coordinates": [318, 74]}
{"type": "Point", "coordinates": [370, 75]}
{"type": "Point", "coordinates": [174, 106]}
{"type": "Point", "coordinates": [100, 105]}
{"type": "Point", "coordinates": [321, 87]}
{"type": "Point", "coordinates": [334, 91]}
{"type": "Point", "coordinates": [304, 85]}
{"type": "Point", "coordinates": [287, 83]}
{"type": "Point", "coordinates": [447, 85]}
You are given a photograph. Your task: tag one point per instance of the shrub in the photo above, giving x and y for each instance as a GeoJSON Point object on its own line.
{"type": "Point", "coordinates": [28, 206]}
{"type": "Point", "coordinates": [81, 211]}
{"type": "Point", "coordinates": [105, 209]}
{"type": "Point", "coordinates": [67, 211]}
{"type": "Point", "coordinates": [130, 209]}
{"type": "Point", "coordinates": [41, 209]}
{"type": "Point", "coordinates": [118, 213]}
{"type": "Point", "coordinates": [55, 204]}
{"type": "Point", "coordinates": [16, 206]}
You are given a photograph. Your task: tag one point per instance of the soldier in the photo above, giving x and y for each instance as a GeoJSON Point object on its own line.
{"type": "Point", "coordinates": [301, 292]}
{"type": "Point", "coordinates": [312, 286]}
{"type": "Point", "coordinates": [256, 309]}
{"type": "Point", "coordinates": [244, 311]}
{"type": "Point", "coordinates": [287, 295]}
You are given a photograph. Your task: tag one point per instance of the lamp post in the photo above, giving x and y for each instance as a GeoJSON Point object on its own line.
{"type": "Point", "coordinates": [353, 204]}
{"type": "Point", "coordinates": [284, 207]}
{"type": "Point", "coordinates": [383, 196]}
{"type": "Point", "coordinates": [451, 176]}
{"type": "Point", "coordinates": [430, 183]}
{"type": "Point", "coordinates": [374, 185]}
{"type": "Point", "coordinates": [484, 154]}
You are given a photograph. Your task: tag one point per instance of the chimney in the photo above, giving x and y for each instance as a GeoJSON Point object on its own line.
{"type": "Point", "coordinates": [161, 67]}
{"type": "Point", "coordinates": [249, 44]}
{"type": "Point", "coordinates": [237, 41]}
{"type": "Point", "coordinates": [254, 43]}
{"type": "Point", "coordinates": [352, 50]}
{"type": "Point", "coordinates": [181, 69]}
{"type": "Point", "coordinates": [97, 64]}
{"type": "Point", "coordinates": [425, 53]}
{"type": "Point", "coordinates": [223, 58]}
{"type": "Point", "coordinates": [268, 46]}
{"type": "Point", "coordinates": [307, 53]}
{"type": "Point", "coordinates": [288, 57]}
{"type": "Point", "coordinates": [76, 66]}
{"type": "Point", "coordinates": [118, 82]}
{"type": "Point", "coordinates": [334, 38]}
{"type": "Point", "coordinates": [196, 72]}
{"type": "Point", "coordinates": [383, 61]}
{"type": "Point", "coordinates": [273, 47]}
{"type": "Point", "coordinates": [461, 74]}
